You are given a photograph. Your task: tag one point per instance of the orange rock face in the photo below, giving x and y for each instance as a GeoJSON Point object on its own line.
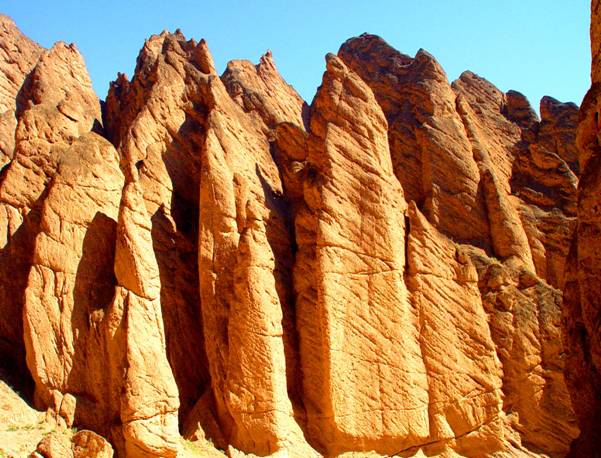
{"type": "Point", "coordinates": [442, 280]}
{"type": "Point", "coordinates": [374, 273]}
{"type": "Point", "coordinates": [18, 55]}
{"type": "Point", "coordinates": [430, 148]}
{"type": "Point", "coordinates": [245, 263]}
{"type": "Point", "coordinates": [57, 106]}
{"type": "Point", "coordinates": [82, 444]}
{"type": "Point", "coordinates": [349, 267]}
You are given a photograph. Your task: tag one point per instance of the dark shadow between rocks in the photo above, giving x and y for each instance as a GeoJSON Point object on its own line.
{"type": "Point", "coordinates": [93, 293]}
{"type": "Point", "coordinates": [279, 230]}
{"type": "Point", "coordinates": [15, 262]}
{"type": "Point", "coordinates": [175, 244]}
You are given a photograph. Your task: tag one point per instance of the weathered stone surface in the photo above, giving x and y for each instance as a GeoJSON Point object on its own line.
{"type": "Point", "coordinates": [556, 131]}
{"type": "Point", "coordinates": [511, 152]}
{"type": "Point", "coordinates": [545, 179]}
{"type": "Point", "coordinates": [509, 239]}
{"type": "Point", "coordinates": [71, 280]}
{"type": "Point", "coordinates": [525, 324]}
{"type": "Point", "coordinates": [595, 33]}
{"type": "Point", "coordinates": [525, 319]}
{"type": "Point", "coordinates": [260, 88]}
{"type": "Point", "coordinates": [57, 105]}
{"type": "Point", "coordinates": [492, 134]}
{"type": "Point", "coordinates": [150, 399]}
{"type": "Point", "coordinates": [479, 131]}
{"type": "Point", "coordinates": [518, 109]}
{"type": "Point", "coordinates": [245, 265]}
{"type": "Point", "coordinates": [349, 268]}
{"type": "Point", "coordinates": [464, 374]}
{"type": "Point", "coordinates": [83, 444]}
{"type": "Point", "coordinates": [292, 280]}
{"type": "Point", "coordinates": [431, 153]}
{"type": "Point", "coordinates": [201, 422]}
{"type": "Point", "coordinates": [55, 445]}
{"type": "Point", "coordinates": [87, 444]}
{"type": "Point", "coordinates": [533, 180]}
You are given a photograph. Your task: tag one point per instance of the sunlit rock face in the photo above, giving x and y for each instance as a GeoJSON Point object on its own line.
{"type": "Point", "coordinates": [378, 272]}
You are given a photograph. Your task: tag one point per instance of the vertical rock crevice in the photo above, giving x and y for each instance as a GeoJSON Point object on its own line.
{"type": "Point", "coordinates": [581, 291]}
{"type": "Point", "coordinates": [157, 122]}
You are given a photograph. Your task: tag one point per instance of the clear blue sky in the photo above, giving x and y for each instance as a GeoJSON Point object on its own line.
{"type": "Point", "coordinates": [539, 47]}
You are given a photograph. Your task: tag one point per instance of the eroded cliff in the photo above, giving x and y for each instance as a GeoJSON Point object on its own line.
{"type": "Point", "coordinates": [210, 256]}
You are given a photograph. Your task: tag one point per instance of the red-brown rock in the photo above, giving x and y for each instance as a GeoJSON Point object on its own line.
{"type": "Point", "coordinates": [156, 122]}
{"type": "Point", "coordinates": [582, 288]}
{"type": "Point", "coordinates": [349, 268]}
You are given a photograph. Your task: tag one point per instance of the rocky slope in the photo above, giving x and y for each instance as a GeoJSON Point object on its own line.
{"type": "Point", "coordinates": [209, 256]}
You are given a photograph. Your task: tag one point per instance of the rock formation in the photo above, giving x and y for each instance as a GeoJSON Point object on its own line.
{"type": "Point", "coordinates": [377, 272]}
{"type": "Point", "coordinates": [158, 134]}
{"type": "Point", "coordinates": [81, 444]}
{"type": "Point", "coordinates": [56, 106]}
{"type": "Point", "coordinates": [18, 56]}
{"type": "Point", "coordinates": [582, 287]}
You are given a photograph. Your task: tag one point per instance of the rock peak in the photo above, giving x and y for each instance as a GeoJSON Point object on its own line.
{"type": "Point", "coordinates": [518, 109]}
{"type": "Point", "coordinates": [203, 58]}
{"type": "Point", "coordinates": [267, 63]}
{"type": "Point", "coordinates": [550, 107]}
{"type": "Point", "coordinates": [334, 63]}
{"type": "Point", "coordinates": [6, 21]}
{"type": "Point", "coordinates": [369, 38]}
{"type": "Point", "coordinates": [368, 47]}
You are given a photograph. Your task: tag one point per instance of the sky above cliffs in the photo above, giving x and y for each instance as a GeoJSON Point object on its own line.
{"type": "Point", "coordinates": [538, 47]}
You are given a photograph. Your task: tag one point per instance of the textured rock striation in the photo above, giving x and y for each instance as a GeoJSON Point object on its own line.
{"type": "Point", "coordinates": [378, 272]}
{"type": "Point", "coordinates": [245, 259]}
{"type": "Point", "coordinates": [484, 134]}
{"type": "Point", "coordinates": [349, 268]}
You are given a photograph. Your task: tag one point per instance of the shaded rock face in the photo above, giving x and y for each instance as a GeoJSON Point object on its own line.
{"type": "Point", "coordinates": [211, 256]}
{"type": "Point", "coordinates": [524, 316]}
{"type": "Point", "coordinates": [428, 143]}
{"type": "Point", "coordinates": [487, 171]}
{"type": "Point", "coordinates": [581, 291]}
